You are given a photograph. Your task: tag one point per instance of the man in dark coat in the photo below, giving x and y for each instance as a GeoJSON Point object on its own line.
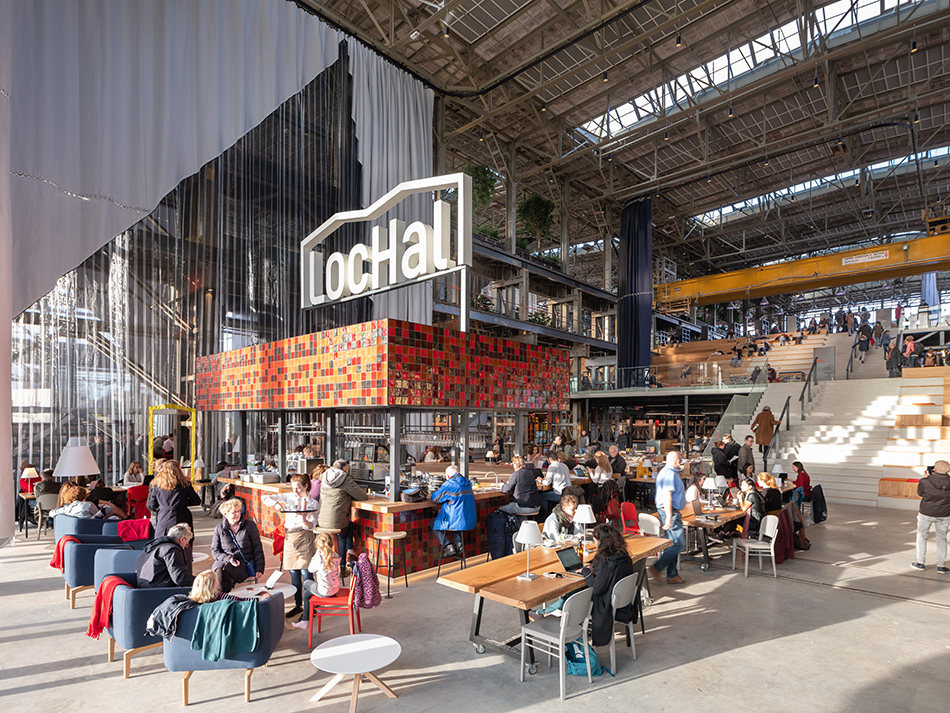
{"type": "Point", "coordinates": [166, 561]}
{"type": "Point", "coordinates": [934, 491]}
{"type": "Point", "coordinates": [745, 454]}
{"type": "Point", "coordinates": [730, 450]}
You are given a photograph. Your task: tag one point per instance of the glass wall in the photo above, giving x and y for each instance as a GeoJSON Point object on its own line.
{"type": "Point", "coordinates": [214, 267]}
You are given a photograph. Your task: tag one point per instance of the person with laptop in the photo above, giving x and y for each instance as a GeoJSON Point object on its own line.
{"type": "Point", "coordinates": [560, 524]}
{"type": "Point", "coordinates": [670, 499]}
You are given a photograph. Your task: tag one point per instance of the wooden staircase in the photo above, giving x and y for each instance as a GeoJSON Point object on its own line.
{"type": "Point", "coordinates": [920, 435]}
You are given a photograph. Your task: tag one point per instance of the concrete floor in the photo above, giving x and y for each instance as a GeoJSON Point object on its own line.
{"type": "Point", "coordinates": [847, 626]}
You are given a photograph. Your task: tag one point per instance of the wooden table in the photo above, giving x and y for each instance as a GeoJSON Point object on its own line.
{"type": "Point", "coordinates": [498, 581]}
{"type": "Point", "coordinates": [723, 516]}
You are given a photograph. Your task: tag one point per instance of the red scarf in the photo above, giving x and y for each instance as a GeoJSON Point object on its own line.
{"type": "Point", "coordinates": [102, 607]}
{"type": "Point", "coordinates": [57, 560]}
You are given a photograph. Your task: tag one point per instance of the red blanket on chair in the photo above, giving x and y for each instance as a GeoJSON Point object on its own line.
{"type": "Point", "coordinates": [133, 529]}
{"type": "Point", "coordinates": [57, 560]}
{"type": "Point", "coordinates": [102, 607]}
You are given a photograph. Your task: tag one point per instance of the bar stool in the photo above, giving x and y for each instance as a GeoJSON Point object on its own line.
{"type": "Point", "coordinates": [450, 536]}
{"type": "Point", "coordinates": [391, 569]}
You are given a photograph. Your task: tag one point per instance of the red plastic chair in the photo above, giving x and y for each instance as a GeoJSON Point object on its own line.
{"type": "Point", "coordinates": [628, 514]}
{"type": "Point", "coordinates": [340, 604]}
{"type": "Point", "coordinates": [136, 498]}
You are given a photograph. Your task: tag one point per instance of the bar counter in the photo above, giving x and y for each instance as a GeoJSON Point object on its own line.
{"type": "Point", "coordinates": [375, 514]}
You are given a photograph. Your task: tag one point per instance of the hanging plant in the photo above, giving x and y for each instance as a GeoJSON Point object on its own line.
{"type": "Point", "coordinates": [483, 185]}
{"type": "Point", "coordinates": [536, 214]}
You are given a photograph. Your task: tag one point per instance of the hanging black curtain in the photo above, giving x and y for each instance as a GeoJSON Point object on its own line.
{"type": "Point", "coordinates": [635, 293]}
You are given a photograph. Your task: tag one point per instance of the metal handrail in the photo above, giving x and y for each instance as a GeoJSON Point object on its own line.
{"type": "Point", "coordinates": [850, 367]}
{"type": "Point", "coordinates": [812, 373]}
{"type": "Point", "coordinates": [784, 416]}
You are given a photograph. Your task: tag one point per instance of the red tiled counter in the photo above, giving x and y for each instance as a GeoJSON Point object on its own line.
{"type": "Point", "coordinates": [422, 549]}
{"type": "Point", "coordinates": [267, 519]}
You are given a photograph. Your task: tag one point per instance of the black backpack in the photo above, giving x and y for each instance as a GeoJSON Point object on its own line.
{"type": "Point", "coordinates": [499, 527]}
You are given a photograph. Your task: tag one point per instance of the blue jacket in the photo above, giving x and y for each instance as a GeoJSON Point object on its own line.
{"type": "Point", "coordinates": [458, 505]}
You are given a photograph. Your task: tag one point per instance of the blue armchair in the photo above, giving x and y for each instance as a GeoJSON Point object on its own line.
{"type": "Point", "coordinates": [180, 657]}
{"type": "Point", "coordinates": [79, 561]}
{"type": "Point", "coordinates": [77, 526]}
{"type": "Point", "coordinates": [130, 607]}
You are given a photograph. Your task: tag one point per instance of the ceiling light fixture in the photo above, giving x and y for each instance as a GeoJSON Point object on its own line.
{"type": "Point", "coordinates": [913, 46]}
{"type": "Point", "coordinates": [730, 111]}
{"type": "Point", "coordinates": [816, 82]}
{"type": "Point", "coordinates": [445, 31]}
{"type": "Point", "coordinates": [605, 75]}
{"type": "Point", "coordinates": [610, 157]}
{"type": "Point", "coordinates": [666, 135]}
{"type": "Point", "coordinates": [544, 106]}
{"type": "Point", "coordinates": [917, 118]}
{"type": "Point", "coordinates": [766, 163]}
{"type": "Point", "coordinates": [481, 135]}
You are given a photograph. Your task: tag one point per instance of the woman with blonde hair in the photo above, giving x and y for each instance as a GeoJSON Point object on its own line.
{"type": "Point", "coordinates": [170, 497]}
{"type": "Point", "coordinates": [236, 546]}
{"type": "Point", "coordinates": [603, 471]}
{"type": "Point", "coordinates": [133, 475]}
{"type": "Point", "coordinates": [205, 588]}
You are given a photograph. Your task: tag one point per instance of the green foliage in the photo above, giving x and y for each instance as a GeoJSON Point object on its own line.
{"type": "Point", "coordinates": [483, 185]}
{"type": "Point", "coordinates": [482, 303]}
{"type": "Point", "coordinates": [553, 260]}
{"type": "Point", "coordinates": [523, 244]}
{"type": "Point", "coordinates": [536, 214]}
{"type": "Point", "coordinates": [540, 318]}
{"type": "Point", "coordinates": [487, 231]}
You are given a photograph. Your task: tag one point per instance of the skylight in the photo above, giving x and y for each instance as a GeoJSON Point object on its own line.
{"type": "Point", "coordinates": [777, 45]}
{"type": "Point", "coordinates": [834, 181]}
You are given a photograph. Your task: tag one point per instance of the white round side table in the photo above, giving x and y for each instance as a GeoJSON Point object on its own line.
{"type": "Point", "coordinates": [359, 655]}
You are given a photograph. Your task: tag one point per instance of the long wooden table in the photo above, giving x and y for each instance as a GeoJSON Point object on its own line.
{"type": "Point", "coordinates": [497, 580]}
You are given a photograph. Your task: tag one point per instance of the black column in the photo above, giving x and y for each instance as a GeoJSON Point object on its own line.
{"type": "Point", "coordinates": [634, 293]}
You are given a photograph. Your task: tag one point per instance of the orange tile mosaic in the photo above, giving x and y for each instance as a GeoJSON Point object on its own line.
{"type": "Point", "coordinates": [384, 363]}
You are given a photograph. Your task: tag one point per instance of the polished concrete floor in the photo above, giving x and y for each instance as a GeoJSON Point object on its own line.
{"type": "Point", "coordinates": [847, 626]}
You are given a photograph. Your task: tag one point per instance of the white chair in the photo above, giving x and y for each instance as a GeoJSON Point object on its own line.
{"type": "Point", "coordinates": [649, 524]}
{"type": "Point", "coordinates": [625, 592]}
{"type": "Point", "coordinates": [550, 635]}
{"type": "Point", "coordinates": [768, 529]}
{"type": "Point", "coordinates": [41, 509]}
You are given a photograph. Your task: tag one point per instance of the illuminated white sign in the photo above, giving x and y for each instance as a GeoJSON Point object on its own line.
{"type": "Point", "coordinates": [398, 254]}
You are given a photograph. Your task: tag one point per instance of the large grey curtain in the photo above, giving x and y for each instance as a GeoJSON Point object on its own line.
{"type": "Point", "coordinates": [114, 103]}
{"type": "Point", "coordinates": [7, 485]}
{"type": "Point", "coordinates": [393, 117]}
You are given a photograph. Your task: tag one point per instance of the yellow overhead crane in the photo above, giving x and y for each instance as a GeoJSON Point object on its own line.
{"type": "Point", "coordinates": [883, 262]}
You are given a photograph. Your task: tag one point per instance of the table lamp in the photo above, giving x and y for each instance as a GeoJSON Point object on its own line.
{"type": "Point", "coordinates": [76, 459]}
{"type": "Point", "coordinates": [721, 482]}
{"type": "Point", "coordinates": [584, 515]}
{"type": "Point", "coordinates": [529, 534]}
{"type": "Point", "coordinates": [28, 478]}
{"type": "Point", "coordinates": [198, 469]}
{"type": "Point", "coordinates": [710, 486]}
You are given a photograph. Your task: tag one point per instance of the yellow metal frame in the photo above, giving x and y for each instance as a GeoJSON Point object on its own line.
{"type": "Point", "coordinates": [165, 409]}
{"type": "Point", "coordinates": [885, 261]}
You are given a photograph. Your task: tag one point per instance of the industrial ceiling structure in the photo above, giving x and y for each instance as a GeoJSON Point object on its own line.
{"type": "Point", "coordinates": [762, 130]}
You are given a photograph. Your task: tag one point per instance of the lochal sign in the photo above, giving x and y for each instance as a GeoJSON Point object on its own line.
{"type": "Point", "coordinates": [397, 254]}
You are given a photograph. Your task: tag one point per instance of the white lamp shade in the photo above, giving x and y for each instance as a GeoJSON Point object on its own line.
{"type": "Point", "coordinates": [778, 469]}
{"type": "Point", "coordinates": [198, 464]}
{"type": "Point", "coordinates": [584, 515]}
{"type": "Point", "coordinates": [30, 473]}
{"type": "Point", "coordinates": [76, 459]}
{"type": "Point", "coordinates": [529, 533]}
{"type": "Point", "coordinates": [710, 484]}
{"type": "Point", "coordinates": [721, 481]}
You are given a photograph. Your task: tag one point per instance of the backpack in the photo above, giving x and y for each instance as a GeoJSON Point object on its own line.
{"type": "Point", "coordinates": [574, 657]}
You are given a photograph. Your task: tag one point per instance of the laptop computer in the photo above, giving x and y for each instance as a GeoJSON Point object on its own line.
{"type": "Point", "coordinates": [697, 507]}
{"type": "Point", "coordinates": [569, 559]}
